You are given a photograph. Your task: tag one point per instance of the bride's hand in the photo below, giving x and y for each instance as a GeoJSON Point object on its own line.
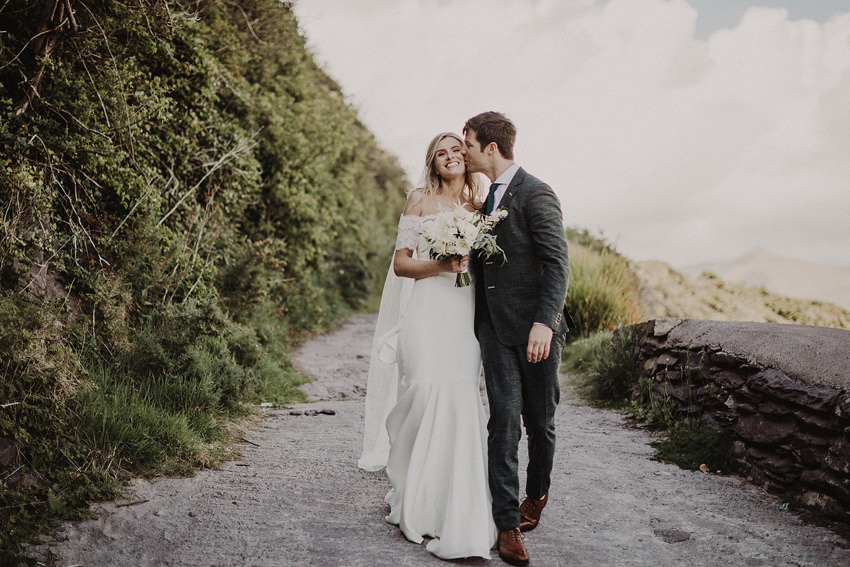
{"type": "Point", "coordinates": [455, 264]}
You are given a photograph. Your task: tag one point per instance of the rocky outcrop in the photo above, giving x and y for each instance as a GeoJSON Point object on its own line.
{"type": "Point", "coordinates": [780, 390]}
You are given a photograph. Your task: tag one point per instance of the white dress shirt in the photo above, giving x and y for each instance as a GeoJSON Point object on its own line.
{"type": "Point", "coordinates": [503, 181]}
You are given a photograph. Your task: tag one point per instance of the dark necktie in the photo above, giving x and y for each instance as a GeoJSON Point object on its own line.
{"type": "Point", "coordinates": [491, 199]}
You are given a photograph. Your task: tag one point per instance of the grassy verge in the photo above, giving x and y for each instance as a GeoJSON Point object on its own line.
{"type": "Point", "coordinates": [606, 373]}
{"type": "Point", "coordinates": [75, 425]}
{"type": "Point", "coordinates": [603, 357]}
{"type": "Point", "coordinates": [48, 473]}
{"type": "Point", "coordinates": [604, 368]}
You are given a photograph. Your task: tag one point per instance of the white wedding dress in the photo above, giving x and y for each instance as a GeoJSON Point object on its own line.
{"type": "Point", "coordinates": [437, 461]}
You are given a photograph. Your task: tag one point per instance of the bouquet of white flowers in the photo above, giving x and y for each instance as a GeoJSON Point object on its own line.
{"type": "Point", "coordinates": [457, 232]}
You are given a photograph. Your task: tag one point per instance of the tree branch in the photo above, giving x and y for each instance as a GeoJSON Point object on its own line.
{"type": "Point", "coordinates": [241, 148]}
{"type": "Point", "coordinates": [45, 42]}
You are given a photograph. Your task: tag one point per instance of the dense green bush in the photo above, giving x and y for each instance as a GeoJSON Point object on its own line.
{"type": "Point", "coordinates": [183, 193]}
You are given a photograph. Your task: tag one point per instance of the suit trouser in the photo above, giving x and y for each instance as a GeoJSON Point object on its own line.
{"type": "Point", "coordinates": [518, 393]}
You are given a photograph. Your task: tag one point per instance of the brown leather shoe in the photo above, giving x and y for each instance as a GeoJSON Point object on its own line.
{"type": "Point", "coordinates": [511, 548]}
{"type": "Point", "coordinates": [529, 512]}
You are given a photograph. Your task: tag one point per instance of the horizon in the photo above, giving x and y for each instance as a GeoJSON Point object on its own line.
{"type": "Point", "coordinates": [756, 252]}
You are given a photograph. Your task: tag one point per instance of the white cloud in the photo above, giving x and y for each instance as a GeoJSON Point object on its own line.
{"type": "Point", "coordinates": [676, 148]}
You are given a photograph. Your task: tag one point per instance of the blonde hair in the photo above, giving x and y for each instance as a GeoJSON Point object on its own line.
{"type": "Point", "coordinates": [431, 179]}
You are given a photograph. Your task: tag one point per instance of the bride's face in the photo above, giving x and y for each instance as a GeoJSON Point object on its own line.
{"type": "Point", "coordinates": [448, 159]}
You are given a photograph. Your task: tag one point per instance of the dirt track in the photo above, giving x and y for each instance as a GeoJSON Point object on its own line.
{"type": "Point", "coordinates": [297, 498]}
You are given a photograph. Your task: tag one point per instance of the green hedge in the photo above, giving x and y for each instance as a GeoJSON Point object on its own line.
{"type": "Point", "coordinates": [183, 193]}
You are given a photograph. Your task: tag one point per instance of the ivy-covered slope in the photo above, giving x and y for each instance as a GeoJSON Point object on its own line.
{"type": "Point", "coordinates": [183, 192]}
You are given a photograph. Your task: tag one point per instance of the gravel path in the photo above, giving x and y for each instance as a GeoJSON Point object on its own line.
{"type": "Point", "coordinates": [296, 498]}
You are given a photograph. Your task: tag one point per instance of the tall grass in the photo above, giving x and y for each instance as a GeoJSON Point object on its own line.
{"type": "Point", "coordinates": [604, 367]}
{"type": "Point", "coordinates": [602, 296]}
{"type": "Point", "coordinates": [49, 475]}
{"type": "Point", "coordinates": [159, 427]}
{"type": "Point", "coordinates": [603, 292]}
{"type": "Point", "coordinates": [166, 399]}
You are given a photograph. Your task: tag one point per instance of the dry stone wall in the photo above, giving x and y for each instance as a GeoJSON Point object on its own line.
{"type": "Point", "coordinates": [792, 432]}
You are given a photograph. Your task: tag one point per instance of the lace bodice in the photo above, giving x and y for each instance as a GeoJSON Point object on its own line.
{"type": "Point", "coordinates": [409, 227]}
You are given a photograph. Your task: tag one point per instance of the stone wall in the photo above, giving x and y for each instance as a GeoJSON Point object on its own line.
{"type": "Point", "coordinates": [781, 390]}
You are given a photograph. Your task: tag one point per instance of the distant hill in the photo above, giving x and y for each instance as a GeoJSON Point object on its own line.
{"type": "Point", "coordinates": [665, 292]}
{"type": "Point", "coordinates": [785, 276]}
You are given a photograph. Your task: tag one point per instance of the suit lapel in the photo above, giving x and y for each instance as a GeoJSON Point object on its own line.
{"type": "Point", "coordinates": [515, 185]}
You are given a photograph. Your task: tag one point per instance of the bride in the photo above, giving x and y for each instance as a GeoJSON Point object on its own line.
{"type": "Point", "coordinates": [424, 418]}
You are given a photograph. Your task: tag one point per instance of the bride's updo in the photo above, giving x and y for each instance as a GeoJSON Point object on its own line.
{"type": "Point", "coordinates": [431, 179]}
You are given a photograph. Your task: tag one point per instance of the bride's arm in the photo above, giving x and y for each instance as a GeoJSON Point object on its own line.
{"type": "Point", "coordinates": [405, 265]}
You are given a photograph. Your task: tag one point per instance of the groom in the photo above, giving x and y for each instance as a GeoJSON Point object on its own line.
{"type": "Point", "coordinates": [520, 322]}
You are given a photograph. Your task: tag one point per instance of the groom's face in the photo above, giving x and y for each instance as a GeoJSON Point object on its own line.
{"type": "Point", "coordinates": [475, 157]}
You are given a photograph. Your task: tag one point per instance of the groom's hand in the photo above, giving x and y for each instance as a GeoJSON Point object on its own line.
{"type": "Point", "coordinates": [539, 341]}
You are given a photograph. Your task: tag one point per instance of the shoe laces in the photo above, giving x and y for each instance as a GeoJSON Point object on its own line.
{"type": "Point", "coordinates": [529, 507]}
{"type": "Point", "coordinates": [534, 503]}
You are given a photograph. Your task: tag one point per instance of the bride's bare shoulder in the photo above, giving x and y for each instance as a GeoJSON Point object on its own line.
{"type": "Point", "coordinates": [416, 199]}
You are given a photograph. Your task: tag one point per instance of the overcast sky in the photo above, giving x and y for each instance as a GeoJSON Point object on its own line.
{"type": "Point", "coordinates": [687, 131]}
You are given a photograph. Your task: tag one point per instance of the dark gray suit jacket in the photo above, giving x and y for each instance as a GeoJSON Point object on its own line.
{"type": "Point", "coordinates": [531, 285]}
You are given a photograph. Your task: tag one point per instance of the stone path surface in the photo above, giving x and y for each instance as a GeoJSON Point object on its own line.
{"type": "Point", "coordinates": [296, 497]}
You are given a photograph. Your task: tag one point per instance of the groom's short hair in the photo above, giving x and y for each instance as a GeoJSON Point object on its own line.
{"type": "Point", "coordinates": [493, 127]}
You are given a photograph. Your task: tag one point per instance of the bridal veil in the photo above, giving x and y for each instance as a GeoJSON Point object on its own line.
{"type": "Point", "coordinates": [382, 385]}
